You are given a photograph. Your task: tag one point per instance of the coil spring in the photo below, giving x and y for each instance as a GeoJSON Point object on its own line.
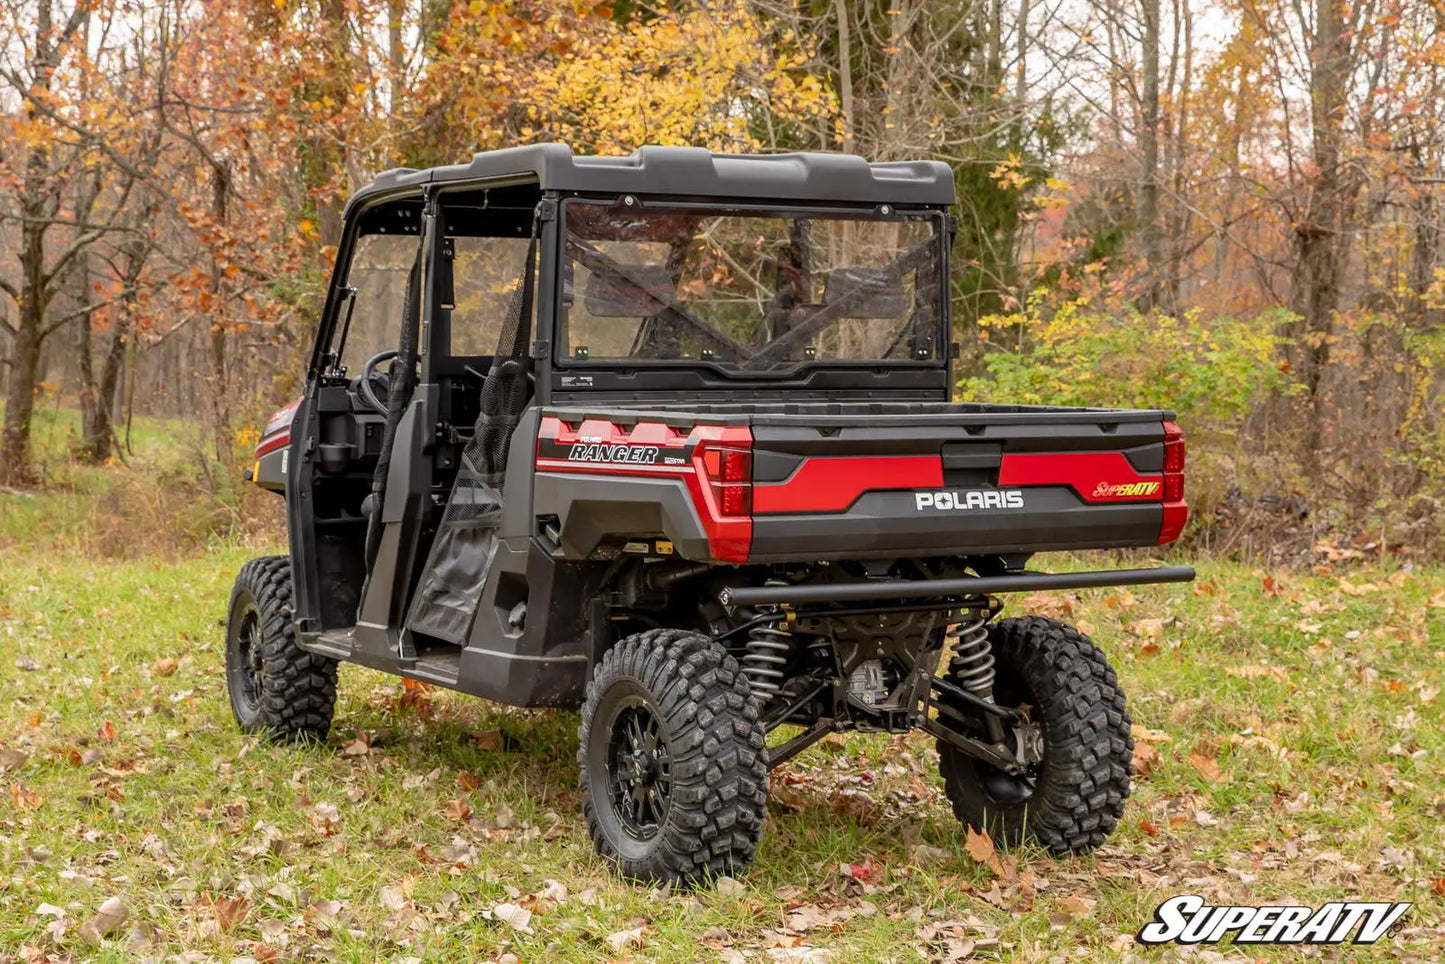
{"type": "Point", "coordinates": [972, 663]}
{"type": "Point", "coordinates": [767, 654]}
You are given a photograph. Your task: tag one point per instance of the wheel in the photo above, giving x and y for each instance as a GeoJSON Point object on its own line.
{"type": "Point", "coordinates": [674, 778]}
{"type": "Point", "coordinates": [1074, 797]}
{"type": "Point", "coordinates": [276, 687]}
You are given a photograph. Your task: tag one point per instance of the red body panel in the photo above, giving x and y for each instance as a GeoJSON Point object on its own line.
{"type": "Point", "coordinates": [1095, 476]}
{"type": "Point", "coordinates": [824, 484]}
{"type": "Point", "coordinates": [729, 537]}
{"type": "Point", "coordinates": [834, 484]}
{"type": "Point", "coordinates": [277, 433]}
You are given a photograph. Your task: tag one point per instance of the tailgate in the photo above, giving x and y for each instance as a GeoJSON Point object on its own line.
{"type": "Point", "coordinates": [959, 480]}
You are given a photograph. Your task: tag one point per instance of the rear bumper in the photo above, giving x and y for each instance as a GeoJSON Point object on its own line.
{"type": "Point", "coordinates": [893, 589]}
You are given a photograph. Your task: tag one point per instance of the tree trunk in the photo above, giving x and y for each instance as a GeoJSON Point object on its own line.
{"type": "Point", "coordinates": [15, 467]}
{"type": "Point", "coordinates": [1317, 234]}
{"type": "Point", "coordinates": [1149, 149]}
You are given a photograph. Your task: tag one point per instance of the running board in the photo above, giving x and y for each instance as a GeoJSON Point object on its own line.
{"type": "Point", "coordinates": [950, 589]}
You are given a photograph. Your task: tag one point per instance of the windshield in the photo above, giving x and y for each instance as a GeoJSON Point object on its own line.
{"type": "Point", "coordinates": [748, 292]}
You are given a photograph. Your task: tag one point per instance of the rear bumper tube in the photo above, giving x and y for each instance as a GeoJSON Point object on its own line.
{"type": "Point", "coordinates": [748, 596]}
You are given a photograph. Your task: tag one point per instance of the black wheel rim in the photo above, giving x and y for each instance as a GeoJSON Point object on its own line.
{"type": "Point", "coordinates": [250, 668]}
{"type": "Point", "coordinates": [639, 769]}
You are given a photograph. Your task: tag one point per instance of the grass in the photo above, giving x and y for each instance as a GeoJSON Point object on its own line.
{"type": "Point", "coordinates": [1296, 717]}
{"type": "Point", "coordinates": [165, 495]}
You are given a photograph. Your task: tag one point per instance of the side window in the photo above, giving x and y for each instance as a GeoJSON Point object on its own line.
{"type": "Point", "coordinates": [485, 274]}
{"type": "Point", "coordinates": [379, 267]}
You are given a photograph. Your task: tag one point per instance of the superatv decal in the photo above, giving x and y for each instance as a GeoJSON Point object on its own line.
{"type": "Point", "coordinates": [1095, 476]}
{"type": "Point", "coordinates": [1187, 919]}
{"type": "Point", "coordinates": [1124, 490]}
{"type": "Point", "coordinates": [968, 499]}
{"type": "Point", "coordinates": [605, 452]}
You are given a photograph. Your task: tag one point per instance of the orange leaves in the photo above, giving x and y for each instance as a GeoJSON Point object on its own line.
{"type": "Point", "coordinates": [1146, 760]}
{"type": "Point", "coordinates": [980, 847]}
{"type": "Point", "coordinates": [1206, 765]}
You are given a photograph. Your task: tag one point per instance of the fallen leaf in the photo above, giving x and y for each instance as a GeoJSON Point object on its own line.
{"type": "Point", "coordinates": [456, 810]}
{"type": "Point", "coordinates": [1150, 629]}
{"type": "Point", "coordinates": [107, 920]}
{"type": "Point", "coordinates": [1146, 759]}
{"type": "Point", "coordinates": [392, 898]}
{"type": "Point", "coordinates": [512, 914]}
{"type": "Point", "coordinates": [11, 759]}
{"type": "Point", "coordinates": [504, 818]}
{"type": "Point", "coordinates": [487, 739]}
{"type": "Point", "coordinates": [1206, 766]}
{"type": "Point", "coordinates": [325, 818]}
{"type": "Point", "coordinates": [1253, 670]}
{"type": "Point", "coordinates": [468, 781]}
{"type": "Point", "coordinates": [1152, 736]}
{"type": "Point", "coordinates": [359, 746]}
{"type": "Point", "coordinates": [1152, 829]}
{"type": "Point", "coordinates": [326, 908]}
{"type": "Point", "coordinates": [1075, 906]}
{"type": "Point", "coordinates": [622, 940]}
{"type": "Point", "coordinates": [979, 846]}
{"type": "Point", "coordinates": [1437, 884]}
{"type": "Point", "coordinates": [230, 911]}
{"type": "Point", "coordinates": [165, 666]}
{"type": "Point", "coordinates": [728, 887]}
{"type": "Point", "coordinates": [107, 731]}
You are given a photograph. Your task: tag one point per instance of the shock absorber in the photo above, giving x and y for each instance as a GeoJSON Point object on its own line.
{"type": "Point", "coordinates": [972, 663]}
{"type": "Point", "coordinates": [768, 647]}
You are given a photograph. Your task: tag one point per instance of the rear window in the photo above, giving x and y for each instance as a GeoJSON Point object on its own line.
{"type": "Point", "coordinates": [748, 292]}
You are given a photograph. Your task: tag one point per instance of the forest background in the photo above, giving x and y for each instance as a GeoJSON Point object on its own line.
{"type": "Point", "coordinates": [1231, 208]}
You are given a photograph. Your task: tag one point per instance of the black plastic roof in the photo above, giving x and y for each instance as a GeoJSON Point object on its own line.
{"type": "Point", "coordinates": [694, 172]}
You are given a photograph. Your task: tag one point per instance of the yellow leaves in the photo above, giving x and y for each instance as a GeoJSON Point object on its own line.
{"type": "Point", "coordinates": [1008, 174]}
{"type": "Point", "coordinates": [693, 77]}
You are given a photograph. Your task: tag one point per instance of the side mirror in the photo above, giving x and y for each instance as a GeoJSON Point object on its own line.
{"type": "Point", "coordinates": [612, 296]}
{"type": "Point", "coordinates": [868, 293]}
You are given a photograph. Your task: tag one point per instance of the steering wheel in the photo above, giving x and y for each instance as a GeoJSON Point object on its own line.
{"type": "Point", "coordinates": [371, 385]}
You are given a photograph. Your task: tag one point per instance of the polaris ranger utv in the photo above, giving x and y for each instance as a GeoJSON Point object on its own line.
{"type": "Point", "coordinates": [668, 438]}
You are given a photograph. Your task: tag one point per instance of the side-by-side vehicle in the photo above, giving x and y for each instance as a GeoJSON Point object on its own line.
{"type": "Point", "coordinates": [668, 439]}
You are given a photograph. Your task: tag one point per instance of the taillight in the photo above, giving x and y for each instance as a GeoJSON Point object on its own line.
{"type": "Point", "coordinates": [730, 475]}
{"type": "Point", "coordinates": [1175, 511]}
{"type": "Point", "coordinates": [1174, 454]}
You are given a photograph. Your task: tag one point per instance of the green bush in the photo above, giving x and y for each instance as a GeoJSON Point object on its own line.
{"type": "Point", "coordinates": [1211, 372]}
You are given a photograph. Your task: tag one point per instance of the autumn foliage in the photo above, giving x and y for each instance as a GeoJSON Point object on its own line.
{"type": "Point", "coordinates": [1233, 207]}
